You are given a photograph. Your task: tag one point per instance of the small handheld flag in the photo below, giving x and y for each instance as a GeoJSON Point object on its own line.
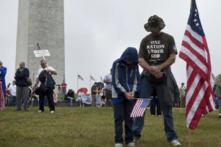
{"type": "Point", "coordinates": [140, 107]}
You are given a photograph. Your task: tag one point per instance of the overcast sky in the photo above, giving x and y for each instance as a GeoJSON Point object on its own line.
{"type": "Point", "coordinates": [98, 31]}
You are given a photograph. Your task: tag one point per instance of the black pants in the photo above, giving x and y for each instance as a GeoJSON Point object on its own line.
{"type": "Point", "coordinates": [153, 103]}
{"type": "Point", "coordinates": [122, 113]}
{"type": "Point", "coordinates": [49, 94]}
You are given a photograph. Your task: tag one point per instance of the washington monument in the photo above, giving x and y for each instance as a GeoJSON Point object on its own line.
{"type": "Point", "coordinates": [41, 21]}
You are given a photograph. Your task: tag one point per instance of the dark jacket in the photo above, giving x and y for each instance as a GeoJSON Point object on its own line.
{"type": "Point", "coordinates": [69, 94]}
{"type": "Point", "coordinates": [92, 89]}
{"type": "Point", "coordinates": [21, 77]}
{"type": "Point", "coordinates": [47, 81]}
{"type": "Point", "coordinates": [126, 77]}
{"type": "Point", "coordinates": [170, 88]}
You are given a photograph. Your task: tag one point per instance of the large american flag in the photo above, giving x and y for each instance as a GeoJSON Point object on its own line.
{"type": "Point", "coordinates": [38, 46]}
{"type": "Point", "coordinates": [79, 77]}
{"type": "Point", "coordinates": [92, 78]}
{"type": "Point", "coordinates": [194, 50]}
{"type": "Point", "coordinates": [140, 107]}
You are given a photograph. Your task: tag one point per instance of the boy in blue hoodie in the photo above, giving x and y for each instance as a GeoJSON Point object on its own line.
{"type": "Point", "coordinates": [126, 86]}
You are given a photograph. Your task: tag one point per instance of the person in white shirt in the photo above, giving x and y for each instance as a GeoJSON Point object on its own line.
{"type": "Point", "coordinates": [48, 92]}
{"type": "Point", "coordinates": [108, 89]}
{"type": "Point", "coordinates": [81, 98]}
{"type": "Point", "coordinates": [12, 89]}
{"type": "Point", "coordinates": [182, 96]}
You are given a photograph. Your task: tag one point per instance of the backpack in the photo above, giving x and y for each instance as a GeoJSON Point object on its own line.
{"type": "Point", "coordinates": [47, 81]}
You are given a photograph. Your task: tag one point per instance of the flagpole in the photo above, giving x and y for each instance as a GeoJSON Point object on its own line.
{"type": "Point", "coordinates": [90, 82]}
{"type": "Point", "coordinates": [190, 137]}
{"type": "Point", "coordinates": [77, 81]}
{"type": "Point", "coordinates": [189, 129]}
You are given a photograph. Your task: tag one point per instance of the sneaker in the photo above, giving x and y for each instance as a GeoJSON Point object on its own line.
{"type": "Point", "coordinates": [40, 111]}
{"type": "Point", "coordinates": [135, 140]}
{"type": "Point", "coordinates": [152, 115]}
{"type": "Point", "coordinates": [118, 145]}
{"type": "Point", "coordinates": [159, 115]}
{"type": "Point", "coordinates": [52, 111]}
{"type": "Point", "coordinates": [132, 144]}
{"type": "Point", "coordinates": [175, 143]}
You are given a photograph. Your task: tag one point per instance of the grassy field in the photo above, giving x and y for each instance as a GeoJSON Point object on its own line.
{"type": "Point", "coordinates": [94, 127]}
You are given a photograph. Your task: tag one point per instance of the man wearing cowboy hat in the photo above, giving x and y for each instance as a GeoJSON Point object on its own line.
{"type": "Point", "coordinates": [156, 54]}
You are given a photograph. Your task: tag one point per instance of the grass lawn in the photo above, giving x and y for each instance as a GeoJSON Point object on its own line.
{"type": "Point", "coordinates": [94, 127]}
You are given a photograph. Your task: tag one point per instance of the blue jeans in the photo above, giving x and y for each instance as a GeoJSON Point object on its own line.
{"type": "Point", "coordinates": [145, 92]}
{"type": "Point", "coordinates": [71, 100]}
{"type": "Point", "coordinates": [122, 113]}
{"type": "Point", "coordinates": [12, 101]}
{"type": "Point", "coordinates": [63, 94]}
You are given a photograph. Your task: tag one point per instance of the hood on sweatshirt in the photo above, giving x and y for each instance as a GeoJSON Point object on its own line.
{"type": "Point", "coordinates": [130, 55]}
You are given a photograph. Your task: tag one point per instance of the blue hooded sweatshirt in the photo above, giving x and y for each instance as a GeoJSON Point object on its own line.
{"type": "Point", "coordinates": [125, 77]}
{"type": "Point", "coordinates": [2, 77]}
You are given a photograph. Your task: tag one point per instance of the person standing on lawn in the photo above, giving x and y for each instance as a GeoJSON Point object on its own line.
{"type": "Point", "coordinates": [43, 90]}
{"type": "Point", "coordinates": [153, 103]}
{"type": "Point", "coordinates": [108, 89]}
{"type": "Point", "coordinates": [126, 86]}
{"type": "Point", "coordinates": [93, 94]}
{"type": "Point", "coordinates": [63, 89]}
{"type": "Point", "coordinates": [182, 96]}
{"type": "Point", "coordinates": [157, 53]}
{"type": "Point", "coordinates": [12, 89]}
{"type": "Point", "coordinates": [218, 92]}
{"type": "Point", "coordinates": [22, 83]}
{"type": "Point", "coordinates": [3, 71]}
{"type": "Point", "coordinates": [59, 89]}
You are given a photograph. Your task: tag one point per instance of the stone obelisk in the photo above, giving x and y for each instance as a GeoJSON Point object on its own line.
{"type": "Point", "coordinates": [41, 21]}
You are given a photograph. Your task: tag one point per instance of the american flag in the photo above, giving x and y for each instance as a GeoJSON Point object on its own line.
{"type": "Point", "coordinates": [140, 107]}
{"type": "Point", "coordinates": [38, 46]}
{"type": "Point", "coordinates": [79, 77]}
{"type": "Point", "coordinates": [194, 50]}
{"type": "Point", "coordinates": [92, 78]}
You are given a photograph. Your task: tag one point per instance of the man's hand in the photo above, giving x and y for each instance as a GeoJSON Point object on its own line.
{"type": "Point", "coordinates": [48, 70]}
{"type": "Point", "coordinates": [128, 95]}
{"type": "Point", "coordinates": [154, 70]}
{"type": "Point", "coordinates": [159, 75]}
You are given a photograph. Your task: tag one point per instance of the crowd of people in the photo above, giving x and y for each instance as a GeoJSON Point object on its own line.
{"type": "Point", "coordinates": [124, 84]}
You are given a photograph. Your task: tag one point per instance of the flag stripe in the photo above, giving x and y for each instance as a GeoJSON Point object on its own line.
{"type": "Point", "coordinates": [193, 64]}
{"type": "Point", "coordinates": [194, 41]}
{"type": "Point", "coordinates": [194, 52]}
{"type": "Point", "coordinates": [194, 34]}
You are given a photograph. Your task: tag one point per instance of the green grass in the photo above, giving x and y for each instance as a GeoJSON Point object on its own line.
{"type": "Point", "coordinates": [94, 127]}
